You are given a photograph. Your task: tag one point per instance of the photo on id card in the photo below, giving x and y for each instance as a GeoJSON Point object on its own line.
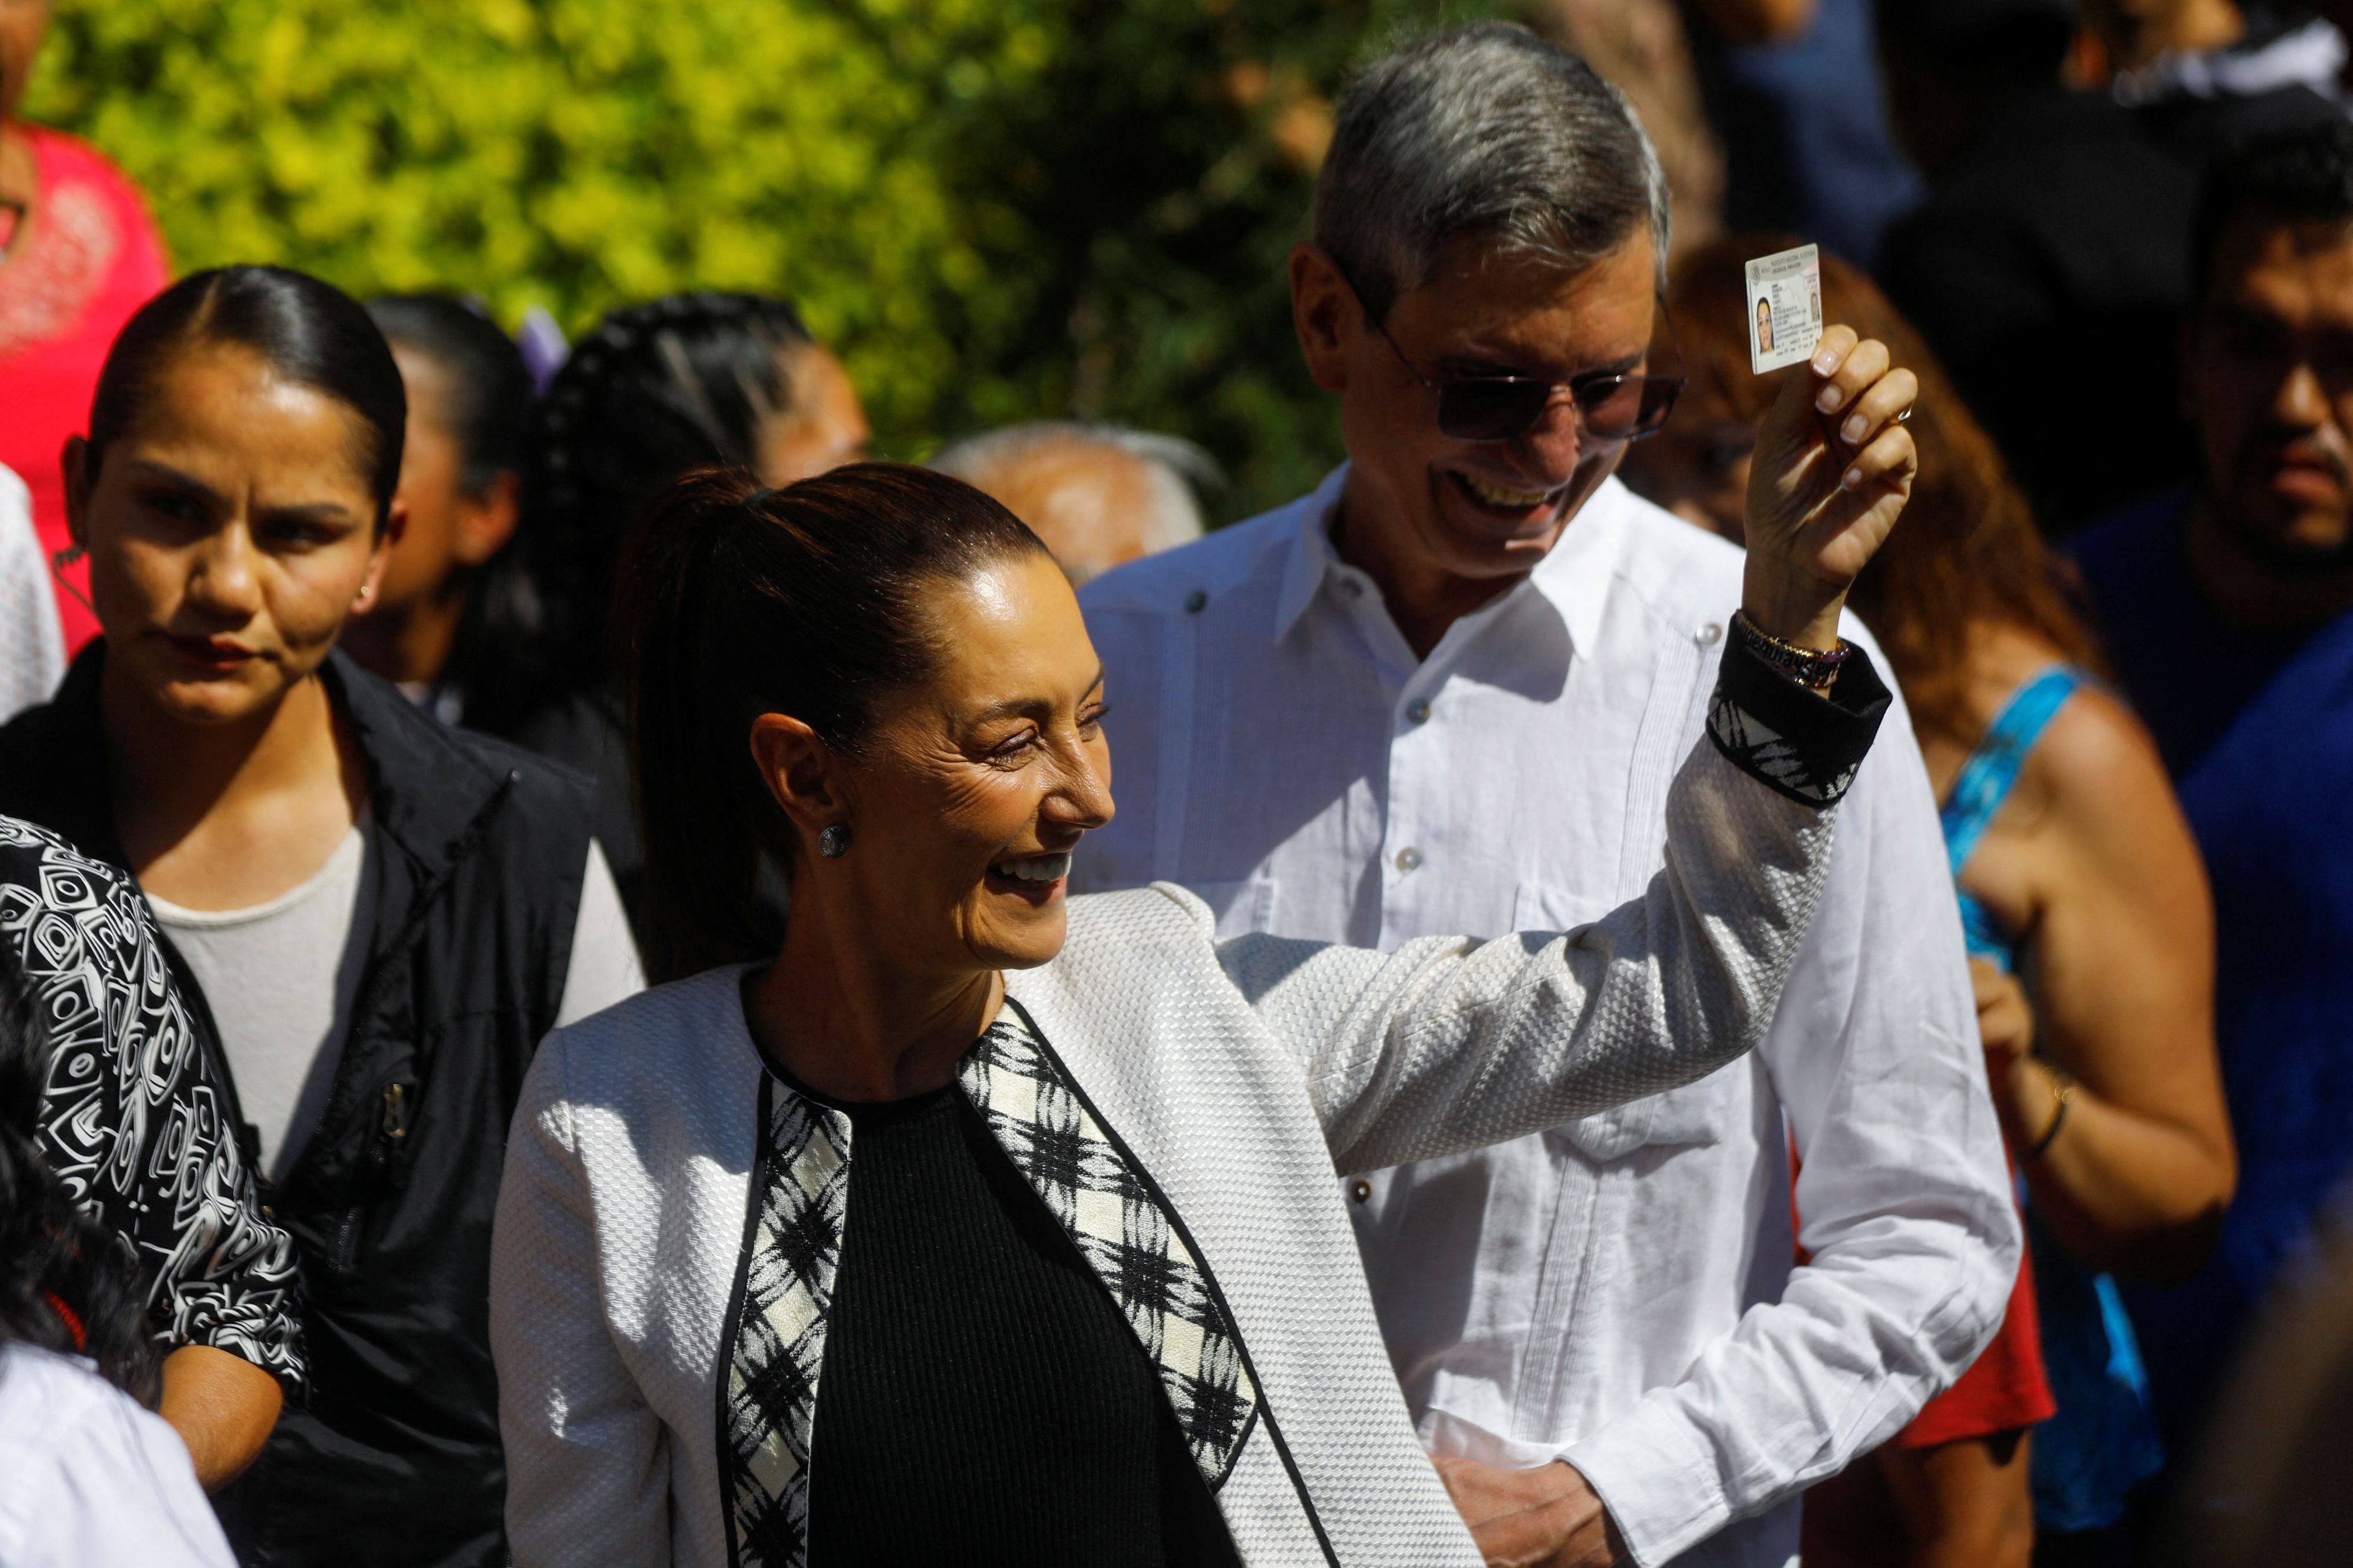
{"type": "Point", "coordinates": [1785, 308]}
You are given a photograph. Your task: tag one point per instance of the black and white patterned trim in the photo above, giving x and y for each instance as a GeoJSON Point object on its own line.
{"type": "Point", "coordinates": [1116, 1221]}
{"type": "Point", "coordinates": [134, 1120]}
{"type": "Point", "coordinates": [1804, 745]}
{"type": "Point", "coordinates": [775, 1345]}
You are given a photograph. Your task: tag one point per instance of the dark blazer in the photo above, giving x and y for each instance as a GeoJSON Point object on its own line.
{"type": "Point", "coordinates": [479, 850]}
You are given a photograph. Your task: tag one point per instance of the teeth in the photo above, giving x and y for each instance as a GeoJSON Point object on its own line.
{"type": "Point", "coordinates": [1495, 495]}
{"type": "Point", "coordinates": [1038, 868]}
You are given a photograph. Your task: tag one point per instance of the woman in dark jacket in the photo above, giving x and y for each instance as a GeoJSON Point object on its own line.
{"type": "Point", "coordinates": [374, 917]}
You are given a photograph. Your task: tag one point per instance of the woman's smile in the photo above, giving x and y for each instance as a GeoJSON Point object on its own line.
{"type": "Point", "coordinates": [1037, 879]}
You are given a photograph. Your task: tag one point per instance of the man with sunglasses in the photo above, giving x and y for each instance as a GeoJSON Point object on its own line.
{"type": "Point", "coordinates": [1447, 691]}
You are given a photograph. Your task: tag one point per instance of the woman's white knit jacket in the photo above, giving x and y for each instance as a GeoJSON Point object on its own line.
{"type": "Point", "coordinates": [671, 1211]}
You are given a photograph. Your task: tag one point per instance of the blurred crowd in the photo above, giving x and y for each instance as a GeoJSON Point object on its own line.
{"type": "Point", "coordinates": [2021, 1237]}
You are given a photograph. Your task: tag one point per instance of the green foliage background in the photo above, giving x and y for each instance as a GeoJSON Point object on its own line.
{"type": "Point", "coordinates": [994, 209]}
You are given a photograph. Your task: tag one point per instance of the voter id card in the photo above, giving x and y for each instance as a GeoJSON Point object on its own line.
{"type": "Point", "coordinates": [1785, 308]}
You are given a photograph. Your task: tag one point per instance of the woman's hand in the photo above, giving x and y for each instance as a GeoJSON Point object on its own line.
{"type": "Point", "coordinates": [1832, 470]}
{"type": "Point", "coordinates": [2006, 1025]}
{"type": "Point", "coordinates": [2005, 1020]}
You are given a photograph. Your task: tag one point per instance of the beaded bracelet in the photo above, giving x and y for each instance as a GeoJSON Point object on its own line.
{"type": "Point", "coordinates": [1816, 669]}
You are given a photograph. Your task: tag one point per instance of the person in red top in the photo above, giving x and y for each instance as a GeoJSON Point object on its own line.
{"type": "Point", "coordinates": [78, 254]}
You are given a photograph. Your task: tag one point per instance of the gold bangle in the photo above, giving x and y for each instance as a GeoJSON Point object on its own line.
{"type": "Point", "coordinates": [2063, 1090]}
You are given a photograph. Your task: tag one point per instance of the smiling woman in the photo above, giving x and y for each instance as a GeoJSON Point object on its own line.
{"type": "Point", "coordinates": [354, 892]}
{"type": "Point", "coordinates": [1041, 1186]}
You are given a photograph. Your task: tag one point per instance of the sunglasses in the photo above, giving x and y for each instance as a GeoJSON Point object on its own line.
{"type": "Point", "coordinates": [1623, 406]}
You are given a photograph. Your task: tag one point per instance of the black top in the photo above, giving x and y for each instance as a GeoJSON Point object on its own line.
{"type": "Point", "coordinates": [479, 850]}
{"type": "Point", "coordinates": [983, 1401]}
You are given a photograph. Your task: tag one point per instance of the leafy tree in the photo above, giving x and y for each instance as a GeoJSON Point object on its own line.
{"type": "Point", "coordinates": [996, 209]}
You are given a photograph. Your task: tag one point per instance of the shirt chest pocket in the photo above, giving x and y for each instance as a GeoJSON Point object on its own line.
{"type": "Point", "coordinates": [1693, 1116]}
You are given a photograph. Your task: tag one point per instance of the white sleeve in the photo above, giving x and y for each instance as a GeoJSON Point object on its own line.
{"type": "Point", "coordinates": [1450, 1044]}
{"type": "Point", "coordinates": [587, 1472]}
{"type": "Point", "coordinates": [87, 1477]}
{"type": "Point", "coordinates": [1903, 1201]}
{"type": "Point", "coordinates": [32, 644]}
{"type": "Point", "coordinates": [605, 967]}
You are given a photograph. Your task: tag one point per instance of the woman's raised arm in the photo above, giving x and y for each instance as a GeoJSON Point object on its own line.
{"type": "Point", "coordinates": [1450, 1044]}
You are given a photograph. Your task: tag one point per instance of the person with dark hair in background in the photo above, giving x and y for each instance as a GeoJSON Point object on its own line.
{"type": "Point", "coordinates": [690, 382]}
{"type": "Point", "coordinates": [2227, 610]}
{"type": "Point", "coordinates": [1446, 692]}
{"type": "Point", "coordinates": [2207, 77]}
{"type": "Point", "coordinates": [375, 915]}
{"type": "Point", "coordinates": [78, 253]}
{"type": "Point", "coordinates": [2053, 225]}
{"type": "Point", "coordinates": [974, 1224]}
{"type": "Point", "coordinates": [88, 1476]}
{"type": "Point", "coordinates": [2090, 931]}
{"type": "Point", "coordinates": [445, 616]}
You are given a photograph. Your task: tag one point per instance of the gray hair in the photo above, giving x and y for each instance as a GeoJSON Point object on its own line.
{"type": "Point", "coordinates": [1489, 132]}
{"type": "Point", "coordinates": [1179, 470]}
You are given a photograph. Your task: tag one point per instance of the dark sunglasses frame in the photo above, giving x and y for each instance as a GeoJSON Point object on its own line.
{"type": "Point", "coordinates": [1494, 408]}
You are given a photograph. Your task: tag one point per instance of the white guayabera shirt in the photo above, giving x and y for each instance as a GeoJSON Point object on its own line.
{"type": "Point", "coordinates": [1621, 1291]}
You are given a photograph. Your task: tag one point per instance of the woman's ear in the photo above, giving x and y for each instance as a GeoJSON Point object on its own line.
{"type": "Point", "coordinates": [76, 459]}
{"type": "Point", "coordinates": [486, 521]}
{"type": "Point", "coordinates": [396, 523]}
{"type": "Point", "coordinates": [803, 773]}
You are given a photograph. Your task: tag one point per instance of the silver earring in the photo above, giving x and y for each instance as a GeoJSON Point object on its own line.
{"type": "Point", "coordinates": [833, 842]}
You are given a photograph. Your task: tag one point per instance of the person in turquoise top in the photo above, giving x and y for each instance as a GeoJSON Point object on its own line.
{"type": "Point", "coordinates": [2089, 923]}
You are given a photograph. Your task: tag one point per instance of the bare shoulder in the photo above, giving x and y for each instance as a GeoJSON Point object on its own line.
{"type": "Point", "coordinates": [2110, 807]}
{"type": "Point", "coordinates": [2096, 759]}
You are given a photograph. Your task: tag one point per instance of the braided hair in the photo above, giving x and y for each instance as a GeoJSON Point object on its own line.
{"type": "Point", "coordinates": [67, 1283]}
{"type": "Point", "coordinates": [692, 381]}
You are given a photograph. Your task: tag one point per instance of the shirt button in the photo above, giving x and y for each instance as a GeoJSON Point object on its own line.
{"type": "Point", "coordinates": [1409, 859]}
{"type": "Point", "coordinates": [1419, 710]}
{"type": "Point", "coordinates": [1710, 635]}
{"type": "Point", "coordinates": [1361, 1190]}
{"type": "Point", "coordinates": [1194, 602]}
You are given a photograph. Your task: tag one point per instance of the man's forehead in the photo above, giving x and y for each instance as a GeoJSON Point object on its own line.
{"type": "Point", "coordinates": [2296, 265]}
{"type": "Point", "coordinates": [1508, 295]}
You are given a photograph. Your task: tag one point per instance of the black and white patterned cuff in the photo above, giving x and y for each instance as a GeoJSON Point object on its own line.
{"type": "Point", "coordinates": [1805, 744]}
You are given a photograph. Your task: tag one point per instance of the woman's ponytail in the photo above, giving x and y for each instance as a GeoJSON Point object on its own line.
{"type": "Point", "coordinates": [736, 601]}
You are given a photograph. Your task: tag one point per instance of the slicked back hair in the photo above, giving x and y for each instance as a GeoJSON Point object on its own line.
{"type": "Point", "coordinates": [735, 601]}
{"type": "Point", "coordinates": [2303, 175]}
{"type": "Point", "coordinates": [1483, 132]}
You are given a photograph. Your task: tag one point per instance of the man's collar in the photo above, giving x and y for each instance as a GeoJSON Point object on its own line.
{"type": "Point", "coordinates": [1312, 555]}
{"type": "Point", "coordinates": [1574, 578]}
